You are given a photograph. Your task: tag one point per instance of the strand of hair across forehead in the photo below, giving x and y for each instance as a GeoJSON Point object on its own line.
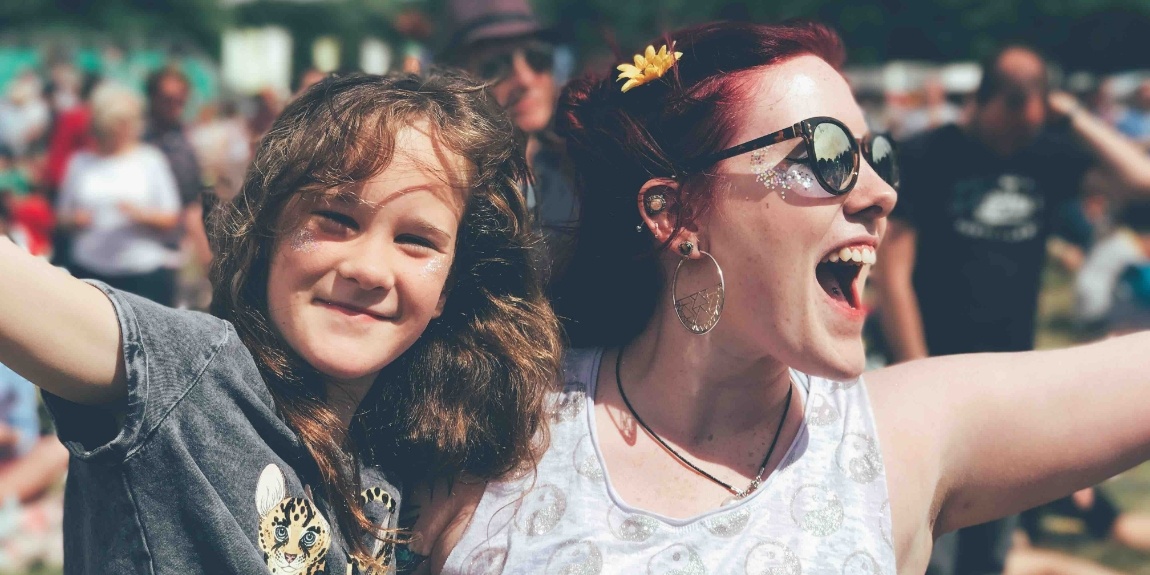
{"type": "Point", "coordinates": [755, 483]}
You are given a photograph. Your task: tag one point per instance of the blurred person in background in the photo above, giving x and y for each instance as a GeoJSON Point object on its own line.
{"type": "Point", "coordinates": [502, 42]}
{"type": "Point", "coordinates": [223, 145]}
{"type": "Point", "coordinates": [29, 213]}
{"type": "Point", "coordinates": [1135, 121]}
{"type": "Point", "coordinates": [168, 90]}
{"type": "Point", "coordinates": [936, 111]}
{"type": "Point", "coordinates": [120, 202]}
{"type": "Point", "coordinates": [24, 115]}
{"type": "Point", "coordinates": [1097, 280]}
{"type": "Point", "coordinates": [307, 79]}
{"type": "Point", "coordinates": [964, 253]}
{"type": "Point", "coordinates": [267, 105]}
{"type": "Point", "coordinates": [70, 134]}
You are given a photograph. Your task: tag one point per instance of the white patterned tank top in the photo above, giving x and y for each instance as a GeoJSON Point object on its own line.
{"type": "Point", "coordinates": [824, 511]}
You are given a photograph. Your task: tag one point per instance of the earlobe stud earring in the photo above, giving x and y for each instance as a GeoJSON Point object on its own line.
{"type": "Point", "coordinates": [686, 248]}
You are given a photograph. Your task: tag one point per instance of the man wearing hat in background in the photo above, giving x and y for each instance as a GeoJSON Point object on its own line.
{"type": "Point", "coordinates": [503, 43]}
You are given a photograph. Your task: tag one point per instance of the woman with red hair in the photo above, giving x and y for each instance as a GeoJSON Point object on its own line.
{"type": "Point", "coordinates": [713, 418]}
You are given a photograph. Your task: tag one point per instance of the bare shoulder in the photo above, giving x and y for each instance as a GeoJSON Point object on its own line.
{"type": "Point", "coordinates": [909, 422]}
{"type": "Point", "coordinates": [438, 516]}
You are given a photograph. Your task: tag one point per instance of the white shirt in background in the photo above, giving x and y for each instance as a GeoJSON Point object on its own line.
{"type": "Point", "coordinates": [113, 245]}
{"type": "Point", "coordinates": [1104, 265]}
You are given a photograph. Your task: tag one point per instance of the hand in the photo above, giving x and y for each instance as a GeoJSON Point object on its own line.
{"type": "Point", "coordinates": [131, 210]}
{"type": "Point", "coordinates": [81, 219]}
{"type": "Point", "coordinates": [9, 438]}
{"type": "Point", "coordinates": [1064, 104]}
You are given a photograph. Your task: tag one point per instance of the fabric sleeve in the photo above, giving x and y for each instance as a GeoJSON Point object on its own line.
{"type": "Point", "coordinates": [166, 353]}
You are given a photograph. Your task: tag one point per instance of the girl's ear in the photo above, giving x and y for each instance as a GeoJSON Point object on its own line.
{"type": "Point", "coordinates": [659, 209]}
{"type": "Point", "coordinates": [439, 306]}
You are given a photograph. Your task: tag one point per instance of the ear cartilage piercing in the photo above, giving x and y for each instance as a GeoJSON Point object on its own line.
{"type": "Point", "coordinates": [686, 248]}
{"type": "Point", "coordinates": [655, 204]}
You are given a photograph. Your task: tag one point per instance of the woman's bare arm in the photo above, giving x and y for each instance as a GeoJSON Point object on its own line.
{"type": "Point", "coordinates": [57, 331]}
{"type": "Point", "coordinates": [998, 433]}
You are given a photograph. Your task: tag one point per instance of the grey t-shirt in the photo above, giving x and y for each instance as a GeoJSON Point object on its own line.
{"type": "Point", "coordinates": [202, 475]}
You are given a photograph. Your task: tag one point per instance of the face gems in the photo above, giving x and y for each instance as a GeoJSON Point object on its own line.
{"type": "Point", "coordinates": [793, 176]}
{"type": "Point", "coordinates": [303, 241]}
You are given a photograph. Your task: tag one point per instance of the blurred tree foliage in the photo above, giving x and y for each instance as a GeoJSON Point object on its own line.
{"type": "Point", "coordinates": [1103, 35]}
{"type": "Point", "coordinates": [195, 21]}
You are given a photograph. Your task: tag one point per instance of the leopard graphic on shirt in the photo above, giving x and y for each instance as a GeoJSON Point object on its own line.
{"type": "Point", "coordinates": [293, 535]}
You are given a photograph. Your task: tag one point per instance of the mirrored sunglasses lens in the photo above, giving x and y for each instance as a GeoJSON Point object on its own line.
{"type": "Point", "coordinates": [884, 160]}
{"type": "Point", "coordinates": [834, 156]}
{"type": "Point", "coordinates": [493, 67]}
{"type": "Point", "coordinates": [540, 58]}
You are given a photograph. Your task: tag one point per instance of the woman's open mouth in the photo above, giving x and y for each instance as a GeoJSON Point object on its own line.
{"type": "Point", "coordinates": [842, 274]}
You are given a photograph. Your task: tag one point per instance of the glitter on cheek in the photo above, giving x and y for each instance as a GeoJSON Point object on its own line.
{"type": "Point", "coordinates": [303, 241]}
{"type": "Point", "coordinates": [436, 267]}
{"type": "Point", "coordinates": [794, 177]}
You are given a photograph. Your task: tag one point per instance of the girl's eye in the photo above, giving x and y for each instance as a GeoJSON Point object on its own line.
{"type": "Point", "coordinates": [417, 241]}
{"type": "Point", "coordinates": [333, 221]}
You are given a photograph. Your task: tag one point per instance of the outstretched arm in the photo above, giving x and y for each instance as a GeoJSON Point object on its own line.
{"type": "Point", "coordinates": [1123, 166]}
{"type": "Point", "coordinates": [58, 332]}
{"type": "Point", "coordinates": [993, 434]}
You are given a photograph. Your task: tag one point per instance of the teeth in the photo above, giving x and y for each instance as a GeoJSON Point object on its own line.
{"type": "Point", "coordinates": [863, 255]}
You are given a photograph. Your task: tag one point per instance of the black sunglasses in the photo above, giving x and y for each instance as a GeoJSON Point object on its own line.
{"type": "Point", "coordinates": [832, 153]}
{"type": "Point", "coordinates": [540, 57]}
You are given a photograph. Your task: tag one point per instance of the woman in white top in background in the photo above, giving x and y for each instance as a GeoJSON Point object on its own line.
{"type": "Point", "coordinates": [716, 421]}
{"type": "Point", "coordinates": [119, 202]}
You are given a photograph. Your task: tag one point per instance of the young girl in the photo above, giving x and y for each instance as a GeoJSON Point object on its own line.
{"type": "Point", "coordinates": [372, 289]}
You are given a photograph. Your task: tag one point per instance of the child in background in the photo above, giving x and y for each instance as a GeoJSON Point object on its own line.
{"type": "Point", "coordinates": [1103, 299]}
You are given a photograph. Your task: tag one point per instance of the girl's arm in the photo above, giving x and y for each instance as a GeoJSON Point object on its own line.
{"type": "Point", "coordinates": [58, 332]}
{"type": "Point", "coordinates": [983, 436]}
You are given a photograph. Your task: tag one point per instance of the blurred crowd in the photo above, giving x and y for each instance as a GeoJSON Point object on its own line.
{"type": "Point", "coordinates": [111, 183]}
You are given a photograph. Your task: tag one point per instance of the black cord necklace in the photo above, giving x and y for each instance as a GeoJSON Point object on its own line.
{"type": "Point", "coordinates": [755, 483]}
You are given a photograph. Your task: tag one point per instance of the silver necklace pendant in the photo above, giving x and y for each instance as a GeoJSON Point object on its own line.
{"type": "Point", "coordinates": [754, 486]}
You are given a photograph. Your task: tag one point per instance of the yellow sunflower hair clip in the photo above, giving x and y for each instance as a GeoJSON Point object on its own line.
{"type": "Point", "coordinates": [648, 66]}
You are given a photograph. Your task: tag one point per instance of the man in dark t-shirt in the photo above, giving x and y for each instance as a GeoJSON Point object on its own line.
{"type": "Point", "coordinates": [982, 222]}
{"type": "Point", "coordinates": [964, 252]}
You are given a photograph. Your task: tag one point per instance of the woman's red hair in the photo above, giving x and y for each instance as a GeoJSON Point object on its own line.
{"type": "Point", "coordinates": [617, 141]}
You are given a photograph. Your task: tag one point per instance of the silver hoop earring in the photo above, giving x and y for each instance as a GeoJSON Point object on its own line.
{"type": "Point", "coordinates": [700, 312]}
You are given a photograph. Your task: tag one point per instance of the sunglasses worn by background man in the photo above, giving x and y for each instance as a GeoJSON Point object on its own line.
{"type": "Point", "coordinates": [496, 64]}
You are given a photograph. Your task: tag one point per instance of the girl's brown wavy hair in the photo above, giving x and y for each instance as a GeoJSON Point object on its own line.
{"type": "Point", "coordinates": [467, 398]}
